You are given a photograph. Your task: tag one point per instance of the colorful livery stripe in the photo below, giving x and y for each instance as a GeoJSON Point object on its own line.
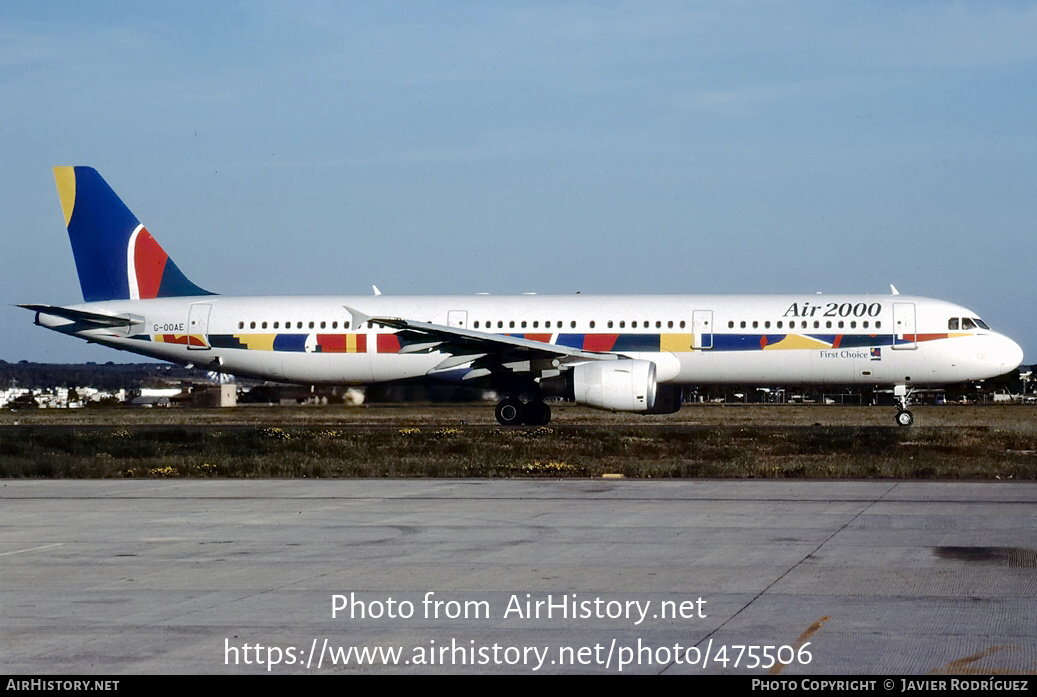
{"type": "Point", "coordinates": [676, 343]}
{"type": "Point", "coordinates": [342, 343]}
{"type": "Point", "coordinates": [185, 339]}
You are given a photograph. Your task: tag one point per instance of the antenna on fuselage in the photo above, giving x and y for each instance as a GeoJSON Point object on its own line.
{"type": "Point", "coordinates": [893, 290]}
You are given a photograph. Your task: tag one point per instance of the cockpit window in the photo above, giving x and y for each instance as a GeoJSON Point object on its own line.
{"type": "Point", "coordinates": [967, 323]}
{"type": "Point", "coordinates": [952, 323]}
{"type": "Point", "coordinates": [981, 323]}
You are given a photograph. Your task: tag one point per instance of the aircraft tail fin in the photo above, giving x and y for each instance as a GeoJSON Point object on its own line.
{"type": "Point", "coordinates": [116, 257]}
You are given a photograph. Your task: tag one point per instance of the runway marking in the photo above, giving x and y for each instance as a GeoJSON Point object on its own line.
{"type": "Point", "coordinates": [31, 549]}
{"type": "Point", "coordinates": [811, 631]}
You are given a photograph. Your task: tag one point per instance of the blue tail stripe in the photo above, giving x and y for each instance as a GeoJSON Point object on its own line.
{"type": "Point", "coordinates": [100, 229]}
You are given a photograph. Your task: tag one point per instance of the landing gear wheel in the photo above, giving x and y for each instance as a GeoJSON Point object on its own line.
{"type": "Point", "coordinates": [509, 412]}
{"type": "Point", "coordinates": [536, 414]}
{"type": "Point", "coordinates": [905, 418]}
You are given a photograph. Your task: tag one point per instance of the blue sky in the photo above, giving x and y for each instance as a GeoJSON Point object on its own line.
{"type": "Point", "coordinates": [684, 147]}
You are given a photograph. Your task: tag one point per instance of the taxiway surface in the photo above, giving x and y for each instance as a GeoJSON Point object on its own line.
{"type": "Point", "coordinates": [873, 577]}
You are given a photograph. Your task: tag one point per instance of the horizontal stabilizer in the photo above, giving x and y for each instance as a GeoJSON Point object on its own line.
{"type": "Point", "coordinates": [83, 316]}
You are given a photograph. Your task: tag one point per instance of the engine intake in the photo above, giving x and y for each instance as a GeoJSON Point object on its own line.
{"type": "Point", "coordinates": [623, 385]}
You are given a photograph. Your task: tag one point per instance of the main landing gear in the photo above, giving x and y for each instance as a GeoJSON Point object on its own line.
{"type": "Point", "coordinates": [904, 416]}
{"type": "Point", "coordinates": [514, 412]}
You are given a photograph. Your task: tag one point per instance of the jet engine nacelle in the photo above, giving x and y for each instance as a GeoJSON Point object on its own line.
{"type": "Point", "coordinates": [623, 385]}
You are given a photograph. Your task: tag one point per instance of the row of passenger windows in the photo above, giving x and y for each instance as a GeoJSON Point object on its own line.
{"type": "Point", "coordinates": [512, 324]}
{"type": "Point", "coordinates": [298, 325]}
{"type": "Point", "coordinates": [780, 324]}
{"type": "Point", "coordinates": [966, 323]}
{"type": "Point", "coordinates": [610, 324]}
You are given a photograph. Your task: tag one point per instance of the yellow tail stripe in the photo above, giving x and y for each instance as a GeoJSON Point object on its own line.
{"type": "Point", "coordinates": [65, 178]}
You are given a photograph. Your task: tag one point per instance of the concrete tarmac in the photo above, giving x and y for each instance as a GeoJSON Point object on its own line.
{"type": "Point", "coordinates": [517, 576]}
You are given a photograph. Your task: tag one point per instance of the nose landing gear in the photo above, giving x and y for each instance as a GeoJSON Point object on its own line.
{"type": "Point", "coordinates": [904, 416]}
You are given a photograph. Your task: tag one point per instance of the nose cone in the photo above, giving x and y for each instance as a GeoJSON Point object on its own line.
{"type": "Point", "coordinates": [1009, 353]}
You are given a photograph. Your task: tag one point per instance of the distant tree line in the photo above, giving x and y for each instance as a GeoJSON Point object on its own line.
{"type": "Point", "coordinates": [107, 376]}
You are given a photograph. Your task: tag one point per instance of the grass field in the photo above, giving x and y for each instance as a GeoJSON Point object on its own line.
{"type": "Point", "coordinates": [1013, 417]}
{"type": "Point", "coordinates": [948, 442]}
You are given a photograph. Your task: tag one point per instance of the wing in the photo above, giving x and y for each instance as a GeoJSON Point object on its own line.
{"type": "Point", "coordinates": [485, 352]}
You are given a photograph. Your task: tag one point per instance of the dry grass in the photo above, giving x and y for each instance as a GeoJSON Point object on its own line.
{"type": "Point", "coordinates": [753, 442]}
{"type": "Point", "coordinates": [1014, 417]}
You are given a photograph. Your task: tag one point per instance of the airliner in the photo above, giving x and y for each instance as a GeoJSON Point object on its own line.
{"type": "Point", "coordinates": [615, 352]}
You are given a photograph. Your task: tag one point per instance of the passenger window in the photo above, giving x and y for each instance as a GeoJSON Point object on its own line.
{"type": "Point", "coordinates": [756, 324]}
{"type": "Point", "coordinates": [622, 324]}
{"type": "Point", "coordinates": [572, 325]}
{"type": "Point", "coordinates": [592, 324]}
{"type": "Point", "coordinates": [816, 324]}
{"type": "Point", "coordinates": [730, 324]}
{"type": "Point", "coordinates": [241, 325]}
{"type": "Point", "coordinates": [742, 324]}
{"type": "Point", "coordinates": [523, 324]}
{"type": "Point", "coordinates": [682, 324]}
{"type": "Point", "coordinates": [276, 324]}
{"type": "Point", "coordinates": [251, 325]}
{"type": "Point", "coordinates": [779, 324]}
{"type": "Point", "coordinates": [610, 324]}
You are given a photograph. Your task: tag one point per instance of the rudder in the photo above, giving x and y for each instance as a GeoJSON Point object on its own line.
{"type": "Point", "coordinates": [116, 257]}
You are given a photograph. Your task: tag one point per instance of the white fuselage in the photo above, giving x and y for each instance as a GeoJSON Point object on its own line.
{"type": "Point", "coordinates": [691, 339]}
